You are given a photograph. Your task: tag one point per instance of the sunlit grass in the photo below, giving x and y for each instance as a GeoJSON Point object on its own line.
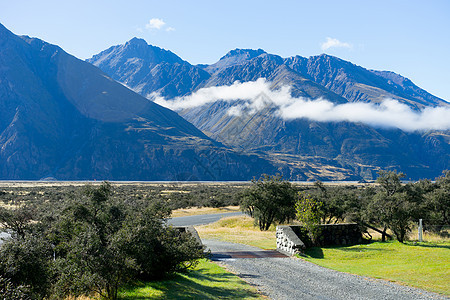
{"type": "Point", "coordinates": [207, 281]}
{"type": "Point", "coordinates": [239, 229]}
{"type": "Point", "coordinates": [424, 265]}
{"type": "Point", "coordinates": [182, 212]}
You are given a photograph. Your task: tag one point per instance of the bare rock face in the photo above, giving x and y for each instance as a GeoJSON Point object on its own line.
{"type": "Point", "coordinates": [64, 118]}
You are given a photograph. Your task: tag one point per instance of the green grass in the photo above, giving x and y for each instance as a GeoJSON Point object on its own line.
{"type": "Point", "coordinates": [423, 265]}
{"type": "Point", "coordinates": [206, 281]}
{"type": "Point", "coordinates": [239, 229]}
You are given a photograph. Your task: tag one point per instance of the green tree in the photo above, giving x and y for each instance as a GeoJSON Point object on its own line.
{"type": "Point", "coordinates": [436, 207]}
{"type": "Point", "coordinates": [336, 202]}
{"type": "Point", "coordinates": [87, 245]}
{"type": "Point", "coordinates": [10, 291]}
{"type": "Point", "coordinates": [308, 212]}
{"type": "Point", "coordinates": [17, 219]}
{"type": "Point", "coordinates": [158, 249]}
{"type": "Point", "coordinates": [269, 199]}
{"type": "Point", "coordinates": [26, 262]}
{"type": "Point", "coordinates": [101, 244]}
{"type": "Point", "coordinates": [394, 205]}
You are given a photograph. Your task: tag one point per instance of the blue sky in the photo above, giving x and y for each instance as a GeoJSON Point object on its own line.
{"type": "Point", "coordinates": [408, 37]}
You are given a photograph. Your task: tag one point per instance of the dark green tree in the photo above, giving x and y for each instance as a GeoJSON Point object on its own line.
{"type": "Point", "coordinates": [101, 244]}
{"type": "Point", "coordinates": [158, 249]}
{"type": "Point", "coordinates": [17, 219]}
{"type": "Point", "coordinates": [87, 245]}
{"type": "Point", "coordinates": [394, 205]}
{"type": "Point", "coordinates": [10, 291]}
{"type": "Point", "coordinates": [26, 262]}
{"type": "Point", "coordinates": [436, 207]}
{"type": "Point", "coordinates": [269, 199]}
{"type": "Point", "coordinates": [336, 202]}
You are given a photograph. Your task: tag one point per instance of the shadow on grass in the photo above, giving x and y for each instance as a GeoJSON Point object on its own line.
{"type": "Point", "coordinates": [314, 252]}
{"type": "Point", "coordinates": [317, 252]}
{"type": "Point", "coordinates": [428, 245]}
{"type": "Point", "coordinates": [202, 275]}
{"type": "Point", "coordinates": [211, 286]}
{"type": "Point", "coordinates": [347, 249]}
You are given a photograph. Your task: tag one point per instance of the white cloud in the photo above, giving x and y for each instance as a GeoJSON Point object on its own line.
{"type": "Point", "coordinates": [334, 43]}
{"type": "Point", "coordinates": [249, 97]}
{"type": "Point", "coordinates": [235, 111]}
{"type": "Point", "coordinates": [155, 23]}
{"type": "Point", "coordinates": [168, 29]}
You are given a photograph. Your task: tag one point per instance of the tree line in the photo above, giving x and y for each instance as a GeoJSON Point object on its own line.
{"type": "Point", "coordinates": [390, 205]}
{"type": "Point", "coordinates": [175, 195]}
{"type": "Point", "coordinates": [89, 242]}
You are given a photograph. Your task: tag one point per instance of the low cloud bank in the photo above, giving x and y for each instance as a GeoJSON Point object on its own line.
{"type": "Point", "coordinates": [249, 97]}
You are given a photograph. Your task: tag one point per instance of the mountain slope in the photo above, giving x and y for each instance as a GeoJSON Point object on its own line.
{"type": "Point", "coordinates": [330, 150]}
{"type": "Point", "coordinates": [64, 118]}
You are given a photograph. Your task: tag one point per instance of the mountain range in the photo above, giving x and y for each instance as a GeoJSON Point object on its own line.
{"type": "Point", "coordinates": [63, 118]}
{"type": "Point", "coordinates": [302, 149]}
{"type": "Point", "coordinates": [68, 119]}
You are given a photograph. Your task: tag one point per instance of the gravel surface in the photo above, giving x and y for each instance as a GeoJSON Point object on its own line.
{"type": "Point", "coordinates": [292, 278]}
{"type": "Point", "coordinates": [201, 219]}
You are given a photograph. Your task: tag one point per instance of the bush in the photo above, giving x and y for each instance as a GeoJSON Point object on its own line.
{"type": "Point", "coordinates": [10, 291]}
{"type": "Point", "coordinates": [94, 243]}
{"type": "Point", "coordinates": [27, 262]}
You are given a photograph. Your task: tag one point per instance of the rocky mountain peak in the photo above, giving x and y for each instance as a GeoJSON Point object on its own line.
{"type": "Point", "coordinates": [244, 53]}
{"type": "Point", "coordinates": [137, 42]}
{"type": "Point", "coordinates": [234, 57]}
{"type": "Point", "coordinates": [136, 49]}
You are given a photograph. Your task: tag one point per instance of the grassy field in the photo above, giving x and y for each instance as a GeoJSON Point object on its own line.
{"type": "Point", "coordinates": [423, 265]}
{"type": "Point", "coordinates": [207, 281]}
{"type": "Point", "coordinates": [182, 212]}
{"type": "Point", "coordinates": [239, 229]}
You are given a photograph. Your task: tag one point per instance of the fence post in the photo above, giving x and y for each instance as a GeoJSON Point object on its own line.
{"type": "Point", "coordinates": [420, 230]}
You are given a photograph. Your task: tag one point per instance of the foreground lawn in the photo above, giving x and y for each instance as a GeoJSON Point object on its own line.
{"type": "Point", "coordinates": [239, 229]}
{"type": "Point", "coordinates": [423, 265]}
{"type": "Point", "coordinates": [207, 281]}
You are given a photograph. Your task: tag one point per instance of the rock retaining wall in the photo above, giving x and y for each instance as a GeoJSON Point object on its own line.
{"type": "Point", "coordinates": [294, 239]}
{"type": "Point", "coordinates": [191, 230]}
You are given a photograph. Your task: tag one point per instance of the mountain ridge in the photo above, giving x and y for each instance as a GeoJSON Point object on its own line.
{"type": "Point", "coordinates": [64, 118]}
{"type": "Point", "coordinates": [318, 147]}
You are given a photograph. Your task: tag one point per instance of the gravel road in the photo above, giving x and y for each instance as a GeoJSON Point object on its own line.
{"type": "Point", "coordinates": [292, 278]}
{"type": "Point", "coordinates": [201, 219]}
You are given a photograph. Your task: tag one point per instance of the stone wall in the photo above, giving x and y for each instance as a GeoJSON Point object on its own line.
{"type": "Point", "coordinates": [294, 239]}
{"type": "Point", "coordinates": [288, 242]}
{"type": "Point", "coordinates": [191, 230]}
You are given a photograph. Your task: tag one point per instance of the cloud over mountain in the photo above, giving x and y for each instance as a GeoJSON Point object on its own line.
{"type": "Point", "coordinates": [334, 43]}
{"type": "Point", "coordinates": [253, 96]}
{"type": "Point", "coordinates": [158, 24]}
{"type": "Point", "coordinates": [155, 23]}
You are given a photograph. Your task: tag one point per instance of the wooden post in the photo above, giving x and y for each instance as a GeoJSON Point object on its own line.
{"type": "Point", "coordinates": [420, 230]}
